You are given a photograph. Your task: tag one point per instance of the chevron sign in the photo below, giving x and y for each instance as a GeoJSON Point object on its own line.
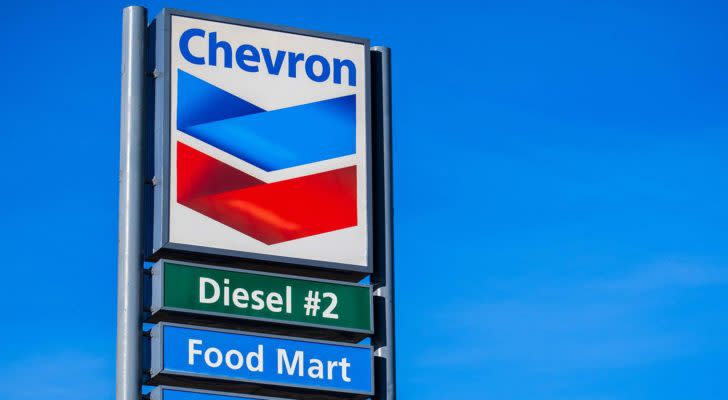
{"type": "Point", "coordinates": [265, 143]}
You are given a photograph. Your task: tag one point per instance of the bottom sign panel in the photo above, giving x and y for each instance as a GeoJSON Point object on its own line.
{"type": "Point", "coordinates": [223, 355]}
{"type": "Point", "coordinates": [173, 393]}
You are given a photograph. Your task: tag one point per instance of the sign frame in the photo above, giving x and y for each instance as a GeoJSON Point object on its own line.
{"type": "Point", "coordinates": [158, 375]}
{"type": "Point", "coordinates": [159, 244]}
{"type": "Point", "coordinates": [160, 312]}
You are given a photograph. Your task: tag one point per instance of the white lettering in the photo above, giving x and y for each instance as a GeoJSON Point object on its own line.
{"type": "Point", "coordinates": [203, 291]}
{"type": "Point", "coordinates": [290, 366]}
{"type": "Point", "coordinates": [229, 359]}
{"type": "Point", "coordinates": [331, 365]}
{"type": "Point", "coordinates": [274, 300]}
{"type": "Point", "coordinates": [218, 357]}
{"type": "Point", "coordinates": [258, 300]}
{"type": "Point", "coordinates": [226, 294]}
{"type": "Point", "coordinates": [192, 352]}
{"type": "Point", "coordinates": [258, 356]}
{"type": "Point", "coordinates": [344, 365]}
{"type": "Point", "coordinates": [316, 370]}
{"type": "Point", "coordinates": [238, 295]}
{"type": "Point", "coordinates": [329, 311]}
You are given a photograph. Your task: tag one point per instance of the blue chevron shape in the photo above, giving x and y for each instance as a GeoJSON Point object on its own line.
{"type": "Point", "coordinates": [199, 102]}
{"type": "Point", "coordinates": [270, 140]}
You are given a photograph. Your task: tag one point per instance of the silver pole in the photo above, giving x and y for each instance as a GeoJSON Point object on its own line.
{"type": "Point", "coordinates": [131, 182]}
{"type": "Point", "coordinates": [383, 276]}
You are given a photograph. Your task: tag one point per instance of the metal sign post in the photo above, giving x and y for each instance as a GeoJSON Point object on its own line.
{"type": "Point", "coordinates": [383, 274]}
{"type": "Point", "coordinates": [131, 182]}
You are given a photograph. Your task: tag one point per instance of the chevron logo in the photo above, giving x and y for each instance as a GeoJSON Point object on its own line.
{"type": "Point", "coordinates": [255, 204]}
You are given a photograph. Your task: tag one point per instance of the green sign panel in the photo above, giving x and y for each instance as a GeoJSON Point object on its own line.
{"type": "Point", "coordinates": [261, 296]}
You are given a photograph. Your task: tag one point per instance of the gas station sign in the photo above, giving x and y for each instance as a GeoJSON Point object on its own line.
{"type": "Point", "coordinates": [271, 170]}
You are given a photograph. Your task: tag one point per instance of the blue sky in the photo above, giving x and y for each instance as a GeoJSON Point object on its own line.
{"type": "Point", "coordinates": [560, 183]}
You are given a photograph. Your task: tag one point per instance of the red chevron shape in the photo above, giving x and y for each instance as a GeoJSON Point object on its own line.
{"type": "Point", "coordinates": [269, 212]}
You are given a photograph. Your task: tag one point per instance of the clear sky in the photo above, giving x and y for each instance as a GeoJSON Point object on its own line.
{"type": "Point", "coordinates": [560, 183]}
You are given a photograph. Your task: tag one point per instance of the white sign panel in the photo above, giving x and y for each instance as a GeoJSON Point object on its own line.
{"type": "Point", "coordinates": [264, 143]}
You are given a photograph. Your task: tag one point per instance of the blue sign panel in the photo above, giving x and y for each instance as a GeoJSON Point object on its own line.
{"type": "Point", "coordinates": [184, 395]}
{"type": "Point", "coordinates": [272, 360]}
{"type": "Point", "coordinates": [172, 393]}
